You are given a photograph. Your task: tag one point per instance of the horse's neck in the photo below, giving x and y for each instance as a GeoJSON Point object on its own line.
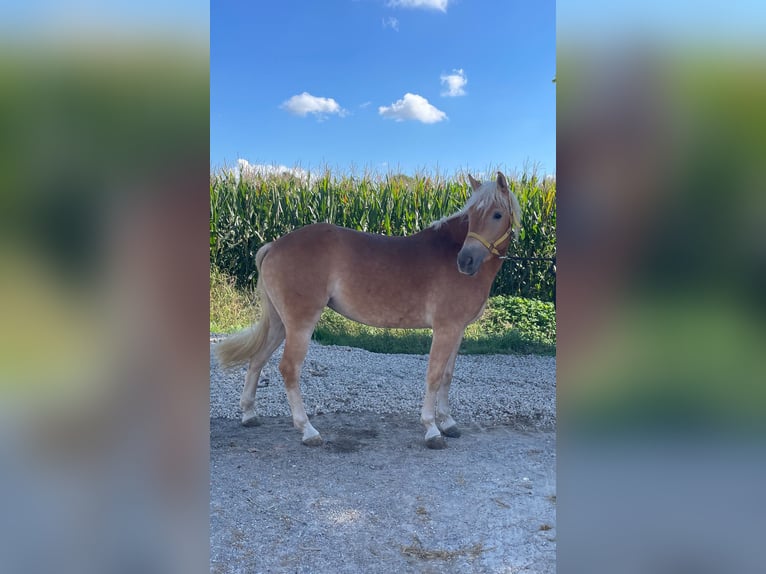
{"type": "Point", "coordinates": [453, 230]}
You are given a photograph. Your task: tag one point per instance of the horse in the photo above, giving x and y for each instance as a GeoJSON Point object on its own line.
{"type": "Point", "coordinates": [439, 278]}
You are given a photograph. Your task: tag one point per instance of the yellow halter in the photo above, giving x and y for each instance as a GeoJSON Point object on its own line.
{"type": "Point", "coordinates": [492, 245]}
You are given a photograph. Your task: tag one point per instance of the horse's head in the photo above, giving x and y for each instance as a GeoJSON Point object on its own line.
{"type": "Point", "coordinates": [493, 216]}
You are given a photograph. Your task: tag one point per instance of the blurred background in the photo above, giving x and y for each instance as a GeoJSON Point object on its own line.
{"type": "Point", "coordinates": [104, 132]}
{"type": "Point", "coordinates": [661, 276]}
{"type": "Point", "coordinates": [104, 358]}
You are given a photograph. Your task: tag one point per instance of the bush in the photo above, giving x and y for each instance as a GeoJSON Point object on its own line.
{"type": "Point", "coordinates": [536, 320]}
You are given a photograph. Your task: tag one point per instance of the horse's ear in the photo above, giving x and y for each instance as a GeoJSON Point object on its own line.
{"type": "Point", "coordinates": [502, 183]}
{"type": "Point", "coordinates": [474, 184]}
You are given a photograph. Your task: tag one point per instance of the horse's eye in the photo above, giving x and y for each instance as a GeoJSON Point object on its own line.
{"type": "Point", "coordinates": [497, 215]}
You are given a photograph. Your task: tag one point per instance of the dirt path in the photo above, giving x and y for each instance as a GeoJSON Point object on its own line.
{"type": "Point", "coordinates": [374, 499]}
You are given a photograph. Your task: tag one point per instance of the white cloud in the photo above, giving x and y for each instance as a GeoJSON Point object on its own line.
{"type": "Point", "coordinates": [247, 169]}
{"type": "Point", "coordinates": [304, 104]}
{"type": "Point", "coordinates": [412, 107]}
{"type": "Point", "coordinates": [392, 23]}
{"type": "Point", "coordinates": [454, 83]}
{"type": "Point", "coordinates": [440, 5]}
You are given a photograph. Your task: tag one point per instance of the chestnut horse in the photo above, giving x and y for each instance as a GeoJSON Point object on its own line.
{"type": "Point", "coordinates": [438, 278]}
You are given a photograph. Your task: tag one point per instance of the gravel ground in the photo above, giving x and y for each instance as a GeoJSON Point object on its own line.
{"type": "Point", "coordinates": [490, 389]}
{"type": "Point", "coordinates": [373, 498]}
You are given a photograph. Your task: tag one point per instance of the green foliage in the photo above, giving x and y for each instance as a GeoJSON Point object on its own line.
{"type": "Point", "coordinates": [537, 239]}
{"type": "Point", "coordinates": [534, 319]}
{"type": "Point", "coordinates": [508, 325]}
{"type": "Point", "coordinates": [231, 308]}
{"type": "Point", "coordinates": [248, 211]}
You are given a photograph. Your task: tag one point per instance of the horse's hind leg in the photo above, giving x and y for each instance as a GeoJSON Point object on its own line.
{"type": "Point", "coordinates": [442, 346]}
{"type": "Point", "coordinates": [444, 420]}
{"type": "Point", "coordinates": [274, 338]}
{"type": "Point", "coordinates": [296, 347]}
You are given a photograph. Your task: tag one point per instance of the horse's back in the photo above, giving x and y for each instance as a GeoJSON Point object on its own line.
{"type": "Point", "coordinates": [305, 249]}
{"type": "Point", "coordinates": [327, 242]}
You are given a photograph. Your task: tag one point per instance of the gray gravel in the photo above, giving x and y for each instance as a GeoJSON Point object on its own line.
{"type": "Point", "coordinates": [373, 498]}
{"type": "Point", "coordinates": [490, 389]}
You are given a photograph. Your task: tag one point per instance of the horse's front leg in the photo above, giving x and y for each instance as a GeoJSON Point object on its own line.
{"type": "Point", "coordinates": [444, 342]}
{"type": "Point", "coordinates": [444, 420]}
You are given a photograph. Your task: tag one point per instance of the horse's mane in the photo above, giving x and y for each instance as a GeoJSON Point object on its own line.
{"type": "Point", "coordinates": [483, 199]}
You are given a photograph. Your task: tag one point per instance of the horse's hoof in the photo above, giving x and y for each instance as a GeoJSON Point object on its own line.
{"type": "Point", "coordinates": [436, 442]}
{"type": "Point", "coordinates": [315, 440]}
{"type": "Point", "coordinates": [452, 432]}
{"type": "Point", "coordinates": [250, 420]}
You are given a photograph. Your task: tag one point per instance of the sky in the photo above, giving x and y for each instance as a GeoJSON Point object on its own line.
{"type": "Point", "coordinates": [385, 85]}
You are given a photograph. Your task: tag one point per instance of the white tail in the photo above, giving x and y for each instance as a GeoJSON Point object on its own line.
{"type": "Point", "coordinates": [241, 346]}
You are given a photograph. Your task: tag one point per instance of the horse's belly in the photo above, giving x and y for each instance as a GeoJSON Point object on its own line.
{"type": "Point", "coordinates": [382, 313]}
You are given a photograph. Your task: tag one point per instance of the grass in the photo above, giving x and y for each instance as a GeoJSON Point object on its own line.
{"type": "Point", "coordinates": [334, 329]}
{"type": "Point", "coordinates": [231, 308]}
{"type": "Point", "coordinates": [509, 325]}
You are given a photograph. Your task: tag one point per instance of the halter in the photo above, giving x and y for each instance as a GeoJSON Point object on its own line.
{"type": "Point", "coordinates": [492, 245]}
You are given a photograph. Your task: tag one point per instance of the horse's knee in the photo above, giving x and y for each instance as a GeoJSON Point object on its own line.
{"type": "Point", "coordinates": [289, 371]}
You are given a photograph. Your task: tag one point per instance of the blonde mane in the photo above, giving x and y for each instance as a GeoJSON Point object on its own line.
{"type": "Point", "coordinates": [483, 199]}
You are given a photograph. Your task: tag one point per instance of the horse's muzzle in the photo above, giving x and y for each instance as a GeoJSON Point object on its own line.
{"type": "Point", "coordinates": [469, 260]}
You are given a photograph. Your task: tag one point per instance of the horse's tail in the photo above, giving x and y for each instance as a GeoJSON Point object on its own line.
{"type": "Point", "coordinates": [244, 345]}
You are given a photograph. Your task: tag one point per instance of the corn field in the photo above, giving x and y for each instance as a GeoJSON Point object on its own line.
{"type": "Point", "coordinates": [249, 210]}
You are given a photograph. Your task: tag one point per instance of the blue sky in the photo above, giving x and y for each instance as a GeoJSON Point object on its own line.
{"type": "Point", "coordinates": [308, 83]}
